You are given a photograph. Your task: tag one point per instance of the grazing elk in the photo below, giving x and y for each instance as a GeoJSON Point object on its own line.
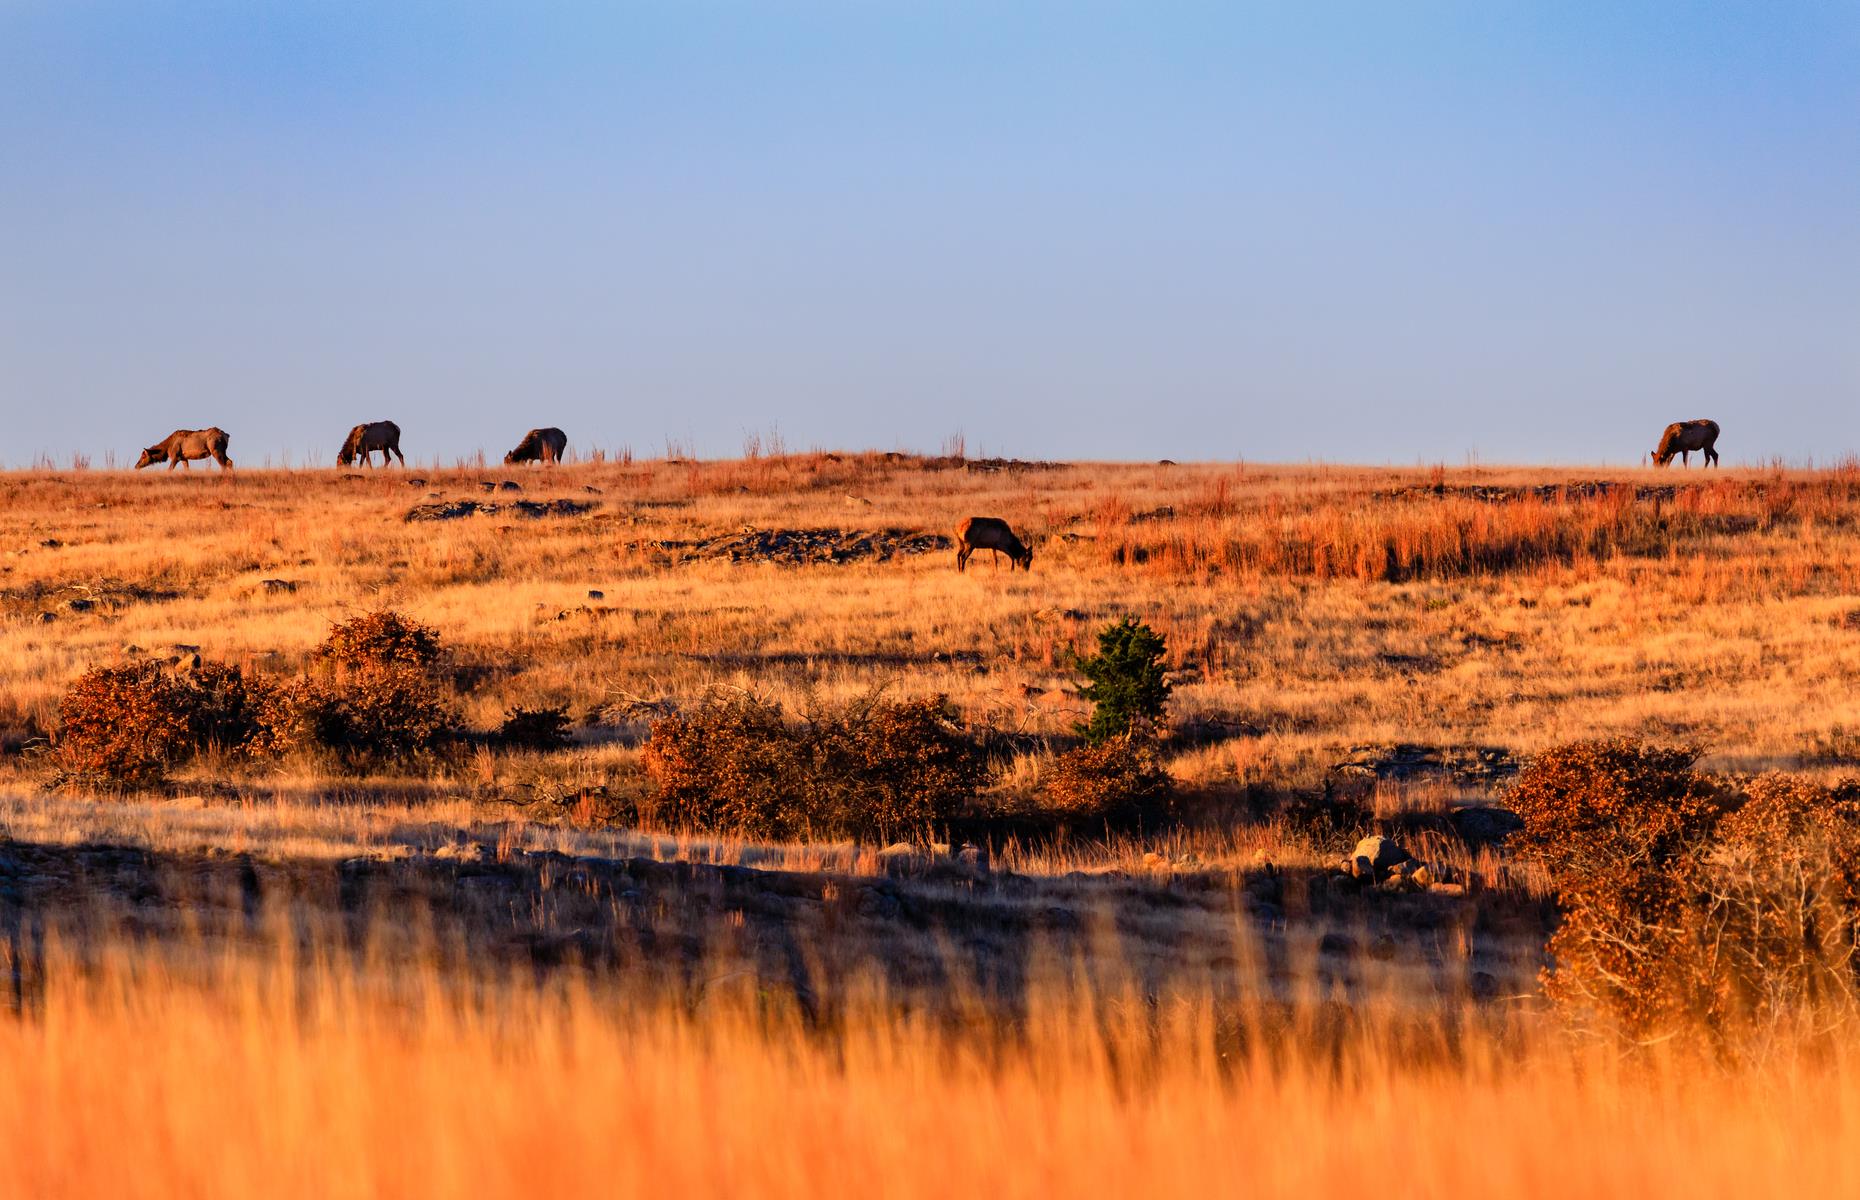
{"type": "Point", "coordinates": [1683, 437]}
{"type": "Point", "coordinates": [185, 444]}
{"type": "Point", "coordinates": [990, 533]}
{"type": "Point", "coordinates": [368, 438]}
{"type": "Point", "coordinates": [539, 445]}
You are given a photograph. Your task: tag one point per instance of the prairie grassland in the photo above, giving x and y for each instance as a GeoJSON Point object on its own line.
{"type": "Point", "coordinates": [1307, 609]}
{"type": "Point", "coordinates": [319, 976]}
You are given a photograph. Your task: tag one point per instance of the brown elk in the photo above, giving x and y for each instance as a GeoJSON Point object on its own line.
{"type": "Point", "coordinates": [366, 439]}
{"type": "Point", "coordinates": [990, 533]}
{"type": "Point", "coordinates": [184, 444]}
{"type": "Point", "coordinates": [539, 445]}
{"type": "Point", "coordinates": [1683, 437]}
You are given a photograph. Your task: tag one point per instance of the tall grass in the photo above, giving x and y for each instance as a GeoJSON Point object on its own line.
{"type": "Point", "coordinates": [284, 1072]}
{"type": "Point", "coordinates": [1448, 534]}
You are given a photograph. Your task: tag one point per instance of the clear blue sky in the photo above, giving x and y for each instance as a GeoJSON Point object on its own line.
{"type": "Point", "coordinates": [1400, 232]}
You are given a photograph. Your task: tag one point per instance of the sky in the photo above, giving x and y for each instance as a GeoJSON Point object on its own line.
{"type": "Point", "coordinates": [1493, 231]}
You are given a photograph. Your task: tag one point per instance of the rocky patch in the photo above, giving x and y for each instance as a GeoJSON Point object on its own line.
{"type": "Point", "coordinates": [1406, 761]}
{"type": "Point", "coordinates": [798, 547]}
{"type": "Point", "coordinates": [1495, 493]}
{"type": "Point", "coordinates": [452, 510]}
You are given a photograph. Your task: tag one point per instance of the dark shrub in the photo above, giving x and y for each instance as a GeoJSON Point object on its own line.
{"type": "Point", "coordinates": [383, 711]}
{"type": "Point", "coordinates": [221, 705]}
{"type": "Point", "coordinates": [120, 726]}
{"type": "Point", "coordinates": [1094, 782]}
{"type": "Point", "coordinates": [293, 715]}
{"type": "Point", "coordinates": [1782, 912]}
{"type": "Point", "coordinates": [871, 769]}
{"type": "Point", "coordinates": [535, 728]}
{"type": "Point", "coordinates": [384, 638]}
{"type": "Point", "coordinates": [372, 694]}
{"type": "Point", "coordinates": [126, 725]}
{"type": "Point", "coordinates": [1626, 832]}
{"type": "Point", "coordinates": [1587, 804]}
{"type": "Point", "coordinates": [1126, 685]}
{"type": "Point", "coordinates": [1783, 818]}
{"type": "Point", "coordinates": [388, 711]}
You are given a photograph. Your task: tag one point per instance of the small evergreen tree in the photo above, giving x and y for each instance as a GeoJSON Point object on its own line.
{"type": "Point", "coordinates": [1127, 690]}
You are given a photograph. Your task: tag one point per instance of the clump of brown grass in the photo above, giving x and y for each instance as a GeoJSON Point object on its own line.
{"type": "Point", "coordinates": [19, 726]}
{"type": "Point", "coordinates": [1442, 534]}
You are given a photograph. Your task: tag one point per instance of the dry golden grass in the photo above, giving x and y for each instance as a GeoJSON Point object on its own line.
{"type": "Point", "coordinates": [283, 1073]}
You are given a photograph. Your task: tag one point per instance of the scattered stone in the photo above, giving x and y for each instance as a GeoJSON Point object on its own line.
{"type": "Point", "coordinates": [1484, 825]}
{"type": "Point", "coordinates": [81, 605]}
{"type": "Point", "coordinates": [509, 485]}
{"type": "Point", "coordinates": [898, 858]}
{"type": "Point", "coordinates": [416, 481]}
{"type": "Point", "coordinates": [51, 544]}
{"type": "Point", "coordinates": [596, 594]}
{"type": "Point", "coordinates": [1375, 856]}
{"type": "Point", "coordinates": [46, 618]}
{"type": "Point", "coordinates": [1341, 945]}
{"type": "Point", "coordinates": [184, 648]}
{"type": "Point", "coordinates": [1483, 985]}
{"type": "Point", "coordinates": [485, 485]}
